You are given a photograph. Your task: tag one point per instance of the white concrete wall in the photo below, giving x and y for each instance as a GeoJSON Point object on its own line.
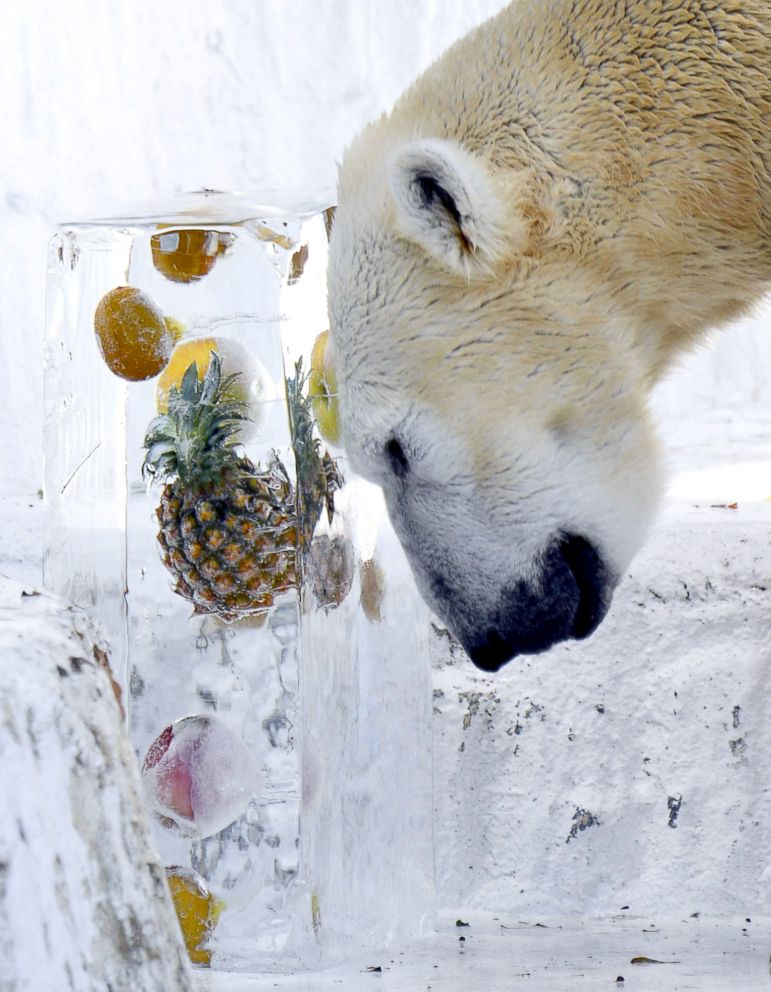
{"type": "Point", "coordinates": [108, 103]}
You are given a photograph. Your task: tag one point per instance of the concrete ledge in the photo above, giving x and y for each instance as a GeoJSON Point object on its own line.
{"type": "Point", "coordinates": [84, 905]}
{"type": "Point", "coordinates": [632, 768]}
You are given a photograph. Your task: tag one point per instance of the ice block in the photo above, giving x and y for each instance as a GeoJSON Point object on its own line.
{"type": "Point", "coordinates": [262, 617]}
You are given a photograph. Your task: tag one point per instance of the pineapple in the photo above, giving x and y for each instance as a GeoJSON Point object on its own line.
{"type": "Point", "coordinates": [327, 562]}
{"type": "Point", "coordinates": [228, 530]}
{"type": "Point", "coordinates": [318, 475]}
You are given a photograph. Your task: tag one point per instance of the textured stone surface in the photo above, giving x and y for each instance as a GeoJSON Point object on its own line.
{"type": "Point", "coordinates": [84, 905]}
{"type": "Point", "coordinates": [632, 768]}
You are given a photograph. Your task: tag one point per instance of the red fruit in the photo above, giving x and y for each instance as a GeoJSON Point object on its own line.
{"type": "Point", "coordinates": [199, 776]}
{"type": "Point", "coordinates": [157, 749]}
{"type": "Point", "coordinates": [174, 788]}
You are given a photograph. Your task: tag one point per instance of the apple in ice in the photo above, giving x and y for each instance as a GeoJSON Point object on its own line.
{"type": "Point", "coordinates": [199, 776]}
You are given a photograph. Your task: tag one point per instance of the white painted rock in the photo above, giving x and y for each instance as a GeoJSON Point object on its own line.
{"type": "Point", "coordinates": [84, 905]}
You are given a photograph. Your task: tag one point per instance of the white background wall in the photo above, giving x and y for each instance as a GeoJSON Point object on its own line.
{"type": "Point", "coordinates": [107, 103]}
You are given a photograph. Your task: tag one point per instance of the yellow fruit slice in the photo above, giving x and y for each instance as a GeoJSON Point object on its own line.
{"type": "Point", "coordinates": [134, 338]}
{"type": "Point", "coordinates": [248, 388]}
{"type": "Point", "coordinates": [322, 389]}
{"type": "Point", "coordinates": [197, 911]}
{"type": "Point", "coordinates": [196, 350]}
{"type": "Point", "coordinates": [187, 254]}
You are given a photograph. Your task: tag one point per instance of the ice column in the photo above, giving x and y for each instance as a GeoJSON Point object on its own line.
{"type": "Point", "coordinates": [261, 614]}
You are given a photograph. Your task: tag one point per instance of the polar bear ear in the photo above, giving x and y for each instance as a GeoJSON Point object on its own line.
{"type": "Point", "coordinates": [446, 201]}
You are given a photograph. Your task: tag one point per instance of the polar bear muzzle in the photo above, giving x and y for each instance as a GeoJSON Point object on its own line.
{"type": "Point", "coordinates": [568, 599]}
{"type": "Point", "coordinates": [522, 247]}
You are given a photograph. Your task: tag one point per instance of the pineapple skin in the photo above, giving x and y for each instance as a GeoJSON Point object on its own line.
{"type": "Point", "coordinates": [231, 541]}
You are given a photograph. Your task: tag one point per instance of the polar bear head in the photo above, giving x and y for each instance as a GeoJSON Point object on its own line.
{"type": "Point", "coordinates": [490, 383]}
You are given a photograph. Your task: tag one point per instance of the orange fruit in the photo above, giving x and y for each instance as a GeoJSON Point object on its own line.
{"type": "Point", "coordinates": [197, 911]}
{"type": "Point", "coordinates": [186, 254]}
{"type": "Point", "coordinates": [134, 338]}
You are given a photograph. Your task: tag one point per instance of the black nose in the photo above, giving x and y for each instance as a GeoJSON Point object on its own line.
{"type": "Point", "coordinates": [568, 600]}
{"type": "Point", "coordinates": [593, 581]}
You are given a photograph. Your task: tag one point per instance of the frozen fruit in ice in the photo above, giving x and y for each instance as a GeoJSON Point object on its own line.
{"type": "Point", "coordinates": [247, 379]}
{"type": "Point", "coordinates": [199, 776]}
{"type": "Point", "coordinates": [265, 233]}
{"type": "Point", "coordinates": [197, 911]}
{"type": "Point", "coordinates": [297, 265]}
{"type": "Point", "coordinates": [134, 337]}
{"type": "Point", "coordinates": [322, 389]}
{"type": "Point", "coordinates": [169, 770]}
{"type": "Point", "coordinates": [372, 582]}
{"type": "Point", "coordinates": [228, 528]}
{"type": "Point", "coordinates": [318, 475]}
{"type": "Point", "coordinates": [187, 254]}
{"type": "Point", "coordinates": [331, 567]}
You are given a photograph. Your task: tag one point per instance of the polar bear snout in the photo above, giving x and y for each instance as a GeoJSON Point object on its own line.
{"type": "Point", "coordinates": [505, 290]}
{"type": "Point", "coordinates": [567, 598]}
{"type": "Point", "coordinates": [594, 583]}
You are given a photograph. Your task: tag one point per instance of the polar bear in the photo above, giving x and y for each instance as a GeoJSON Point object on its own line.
{"type": "Point", "coordinates": [549, 216]}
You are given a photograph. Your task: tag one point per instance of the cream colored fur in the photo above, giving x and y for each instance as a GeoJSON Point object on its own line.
{"type": "Point", "coordinates": [553, 212]}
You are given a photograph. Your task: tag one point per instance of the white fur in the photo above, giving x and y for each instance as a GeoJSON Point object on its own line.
{"type": "Point", "coordinates": [544, 222]}
{"type": "Point", "coordinates": [479, 238]}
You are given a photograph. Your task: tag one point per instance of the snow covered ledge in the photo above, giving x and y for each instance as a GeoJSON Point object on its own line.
{"type": "Point", "coordinates": [83, 899]}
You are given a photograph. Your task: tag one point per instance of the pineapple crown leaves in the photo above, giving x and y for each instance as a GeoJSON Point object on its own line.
{"type": "Point", "coordinates": [317, 475]}
{"type": "Point", "coordinates": [196, 437]}
{"type": "Point", "coordinates": [306, 447]}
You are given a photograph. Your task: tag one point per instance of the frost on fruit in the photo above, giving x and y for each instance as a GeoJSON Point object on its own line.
{"type": "Point", "coordinates": [134, 338]}
{"type": "Point", "coordinates": [199, 776]}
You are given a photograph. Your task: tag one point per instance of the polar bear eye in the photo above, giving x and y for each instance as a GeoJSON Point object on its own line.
{"type": "Point", "coordinates": [397, 460]}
